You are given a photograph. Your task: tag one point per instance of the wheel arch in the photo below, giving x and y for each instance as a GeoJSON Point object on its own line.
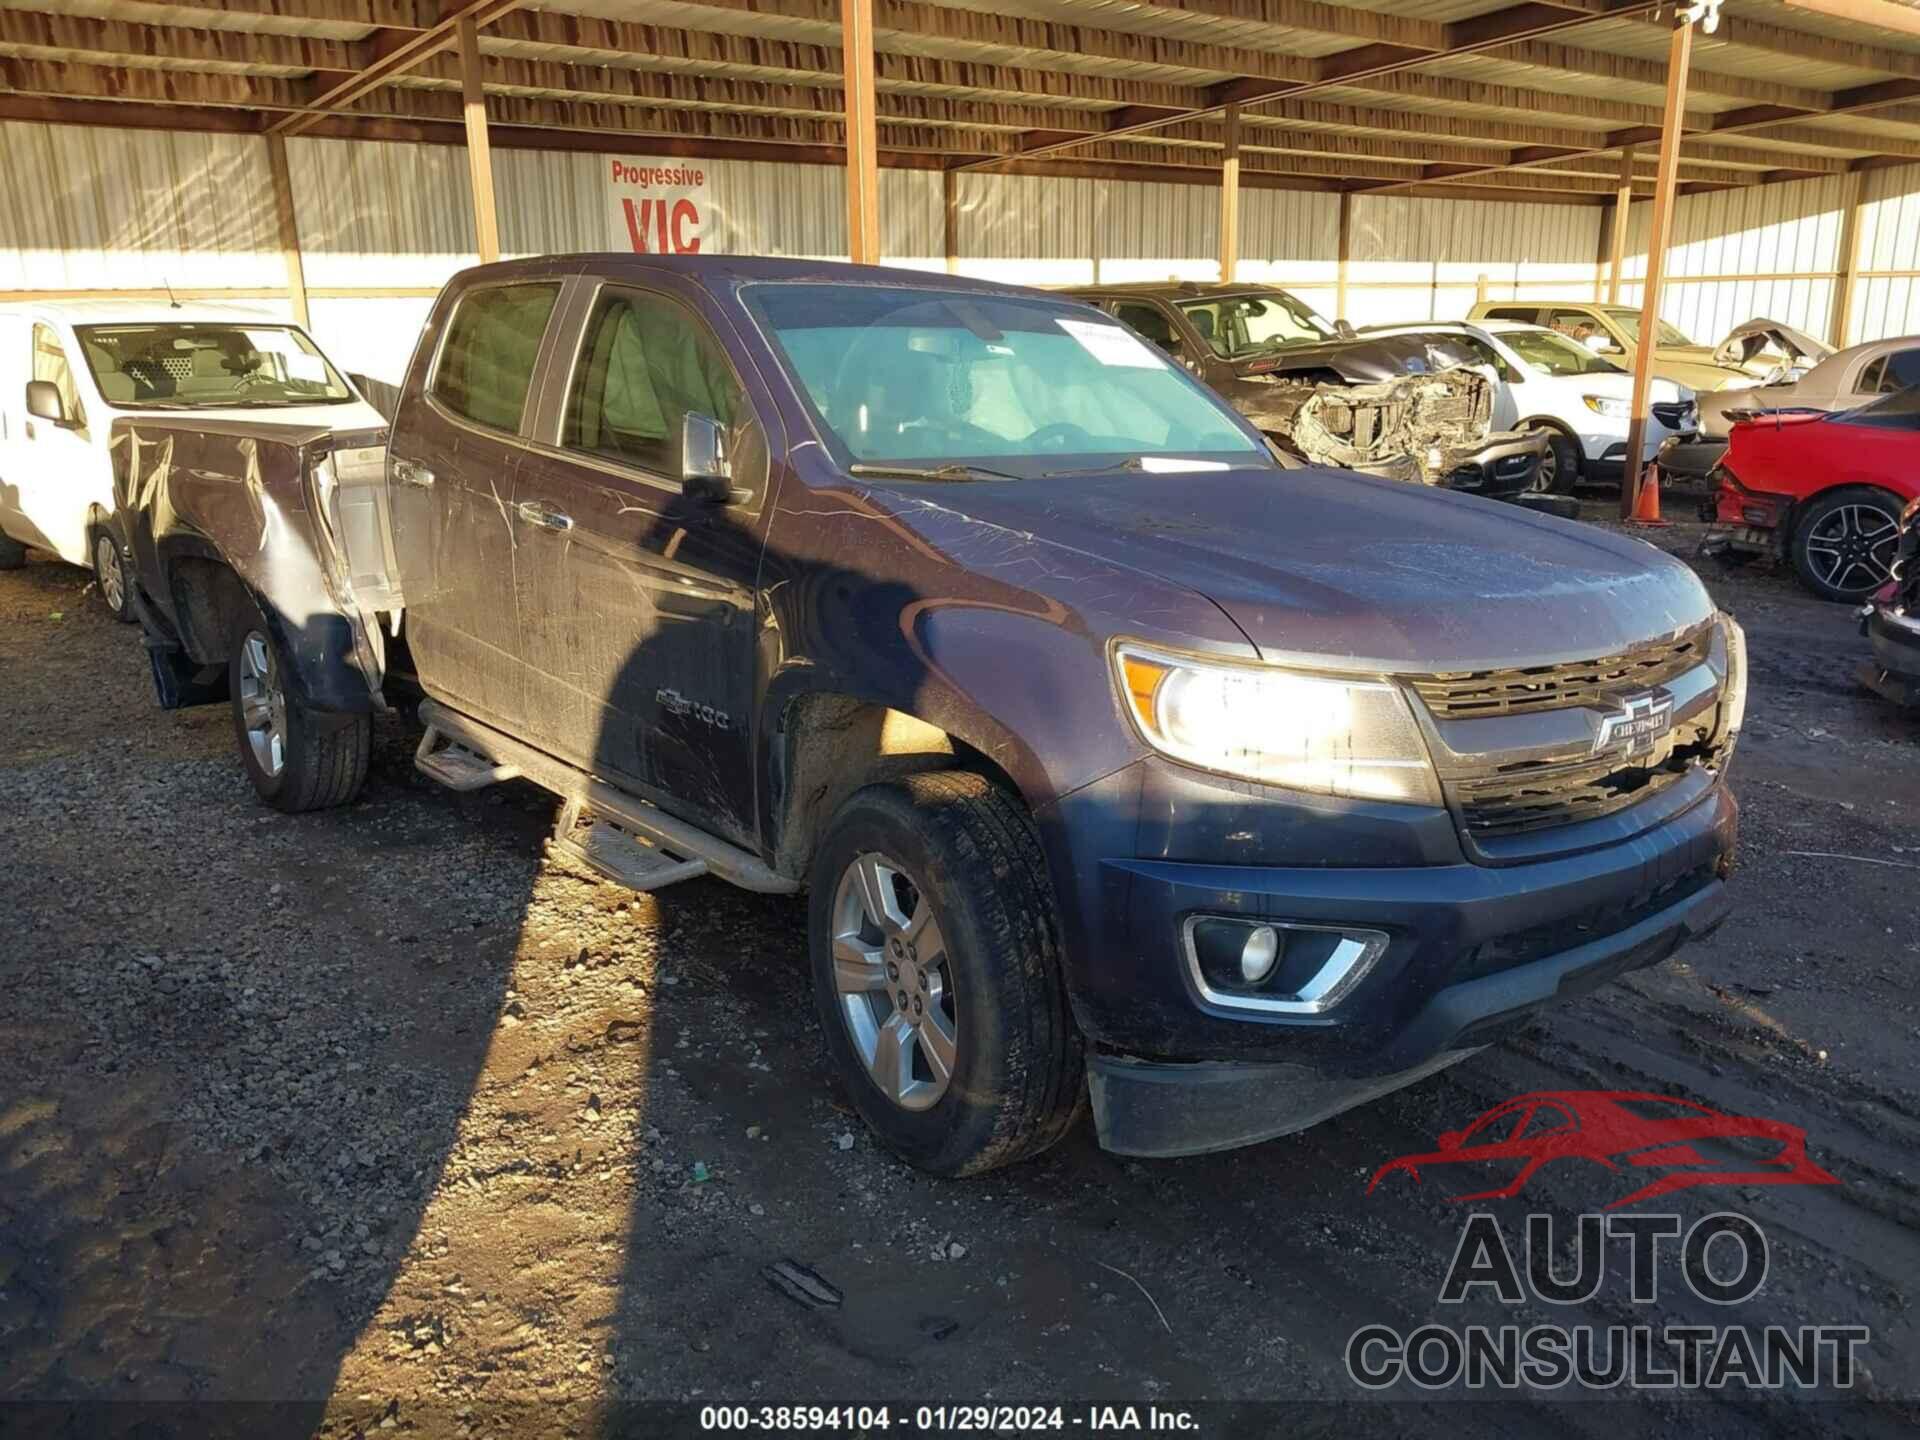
{"type": "Point", "coordinates": [828, 743]}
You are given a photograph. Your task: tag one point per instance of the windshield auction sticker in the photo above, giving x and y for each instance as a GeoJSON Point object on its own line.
{"type": "Point", "coordinates": [1112, 344]}
{"type": "Point", "coordinates": [1683, 1295]}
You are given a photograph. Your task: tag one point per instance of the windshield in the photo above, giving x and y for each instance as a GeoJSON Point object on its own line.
{"type": "Point", "coordinates": [1246, 323]}
{"type": "Point", "coordinates": [196, 366]}
{"type": "Point", "coordinates": [1629, 322]}
{"type": "Point", "coordinates": [1553, 354]}
{"type": "Point", "coordinates": [927, 378]}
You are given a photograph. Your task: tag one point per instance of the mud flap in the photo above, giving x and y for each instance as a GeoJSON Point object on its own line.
{"type": "Point", "coordinates": [179, 684]}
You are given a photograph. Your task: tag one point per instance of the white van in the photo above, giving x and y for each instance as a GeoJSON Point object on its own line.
{"type": "Point", "coordinates": [68, 369]}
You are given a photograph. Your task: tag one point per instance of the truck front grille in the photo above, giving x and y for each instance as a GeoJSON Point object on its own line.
{"type": "Point", "coordinates": [1538, 794]}
{"type": "Point", "coordinates": [1470, 694]}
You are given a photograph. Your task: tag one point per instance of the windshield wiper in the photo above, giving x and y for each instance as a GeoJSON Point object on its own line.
{"type": "Point", "coordinates": [1132, 462]}
{"type": "Point", "coordinates": [951, 471]}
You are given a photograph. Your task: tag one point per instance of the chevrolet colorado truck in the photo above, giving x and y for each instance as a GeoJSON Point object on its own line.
{"type": "Point", "coordinates": [1117, 761]}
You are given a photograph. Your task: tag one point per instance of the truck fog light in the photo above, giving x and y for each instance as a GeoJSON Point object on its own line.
{"type": "Point", "coordinates": [1277, 967]}
{"type": "Point", "coordinates": [1259, 955]}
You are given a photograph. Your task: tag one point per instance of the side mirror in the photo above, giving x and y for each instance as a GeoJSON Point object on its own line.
{"type": "Point", "coordinates": [1451, 1140]}
{"type": "Point", "coordinates": [704, 471]}
{"type": "Point", "coordinates": [1344, 329]}
{"type": "Point", "coordinates": [44, 403]}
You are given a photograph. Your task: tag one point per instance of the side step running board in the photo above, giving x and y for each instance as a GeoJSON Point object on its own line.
{"type": "Point", "coordinates": [457, 767]}
{"type": "Point", "coordinates": [620, 824]}
{"type": "Point", "coordinates": [625, 859]}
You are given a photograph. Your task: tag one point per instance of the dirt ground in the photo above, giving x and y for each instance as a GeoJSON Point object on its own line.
{"type": "Point", "coordinates": [376, 1122]}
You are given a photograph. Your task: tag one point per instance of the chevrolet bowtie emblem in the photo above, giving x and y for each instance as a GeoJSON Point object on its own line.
{"type": "Point", "coordinates": [1641, 720]}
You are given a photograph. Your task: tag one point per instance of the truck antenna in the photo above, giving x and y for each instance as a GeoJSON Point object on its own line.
{"type": "Point", "coordinates": [171, 299]}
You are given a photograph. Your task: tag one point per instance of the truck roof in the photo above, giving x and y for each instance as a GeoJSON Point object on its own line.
{"type": "Point", "coordinates": [732, 270]}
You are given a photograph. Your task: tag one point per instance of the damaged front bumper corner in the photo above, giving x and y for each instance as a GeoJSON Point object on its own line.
{"type": "Point", "coordinates": [1411, 427]}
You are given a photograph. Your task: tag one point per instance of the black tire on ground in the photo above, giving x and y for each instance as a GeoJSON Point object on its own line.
{"type": "Point", "coordinates": [111, 577]}
{"type": "Point", "coordinates": [1844, 541]}
{"type": "Point", "coordinates": [322, 755]}
{"type": "Point", "coordinates": [12, 553]}
{"type": "Point", "coordinates": [1560, 468]}
{"type": "Point", "coordinates": [1018, 1075]}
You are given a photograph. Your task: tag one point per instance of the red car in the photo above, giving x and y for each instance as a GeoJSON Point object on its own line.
{"type": "Point", "coordinates": [1677, 1143]}
{"type": "Point", "coordinates": [1825, 490]}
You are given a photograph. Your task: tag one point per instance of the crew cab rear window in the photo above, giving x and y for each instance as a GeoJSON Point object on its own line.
{"type": "Point", "coordinates": [644, 366]}
{"type": "Point", "coordinates": [486, 364]}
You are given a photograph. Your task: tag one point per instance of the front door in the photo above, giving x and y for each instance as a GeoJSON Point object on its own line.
{"type": "Point", "coordinates": [53, 467]}
{"type": "Point", "coordinates": [636, 601]}
{"type": "Point", "coordinates": [452, 465]}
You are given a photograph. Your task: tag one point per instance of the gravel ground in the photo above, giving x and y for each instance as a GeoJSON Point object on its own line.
{"type": "Point", "coordinates": [379, 1115]}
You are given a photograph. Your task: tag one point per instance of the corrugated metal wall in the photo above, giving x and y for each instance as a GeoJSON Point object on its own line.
{"type": "Point", "coordinates": [1770, 250]}
{"type": "Point", "coordinates": [1886, 299]}
{"type": "Point", "coordinates": [383, 224]}
{"type": "Point", "coordinates": [1415, 258]}
{"type": "Point", "coordinates": [86, 208]}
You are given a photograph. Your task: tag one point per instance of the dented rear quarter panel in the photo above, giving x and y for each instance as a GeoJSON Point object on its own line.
{"type": "Point", "coordinates": [236, 494]}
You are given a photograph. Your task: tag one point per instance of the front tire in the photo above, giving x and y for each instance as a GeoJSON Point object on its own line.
{"type": "Point", "coordinates": [1844, 542]}
{"type": "Point", "coordinates": [297, 758]}
{"type": "Point", "coordinates": [935, 947]}
{"type": "Point", "coordinates": [110, 575]}
{"type": "Point", "coordinates": [1559, 469]}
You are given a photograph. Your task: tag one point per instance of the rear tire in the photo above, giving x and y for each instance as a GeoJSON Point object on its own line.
{"type": "Point", "coordinates": [1844, 542]}
{"type": "Point", "coordinates": [110, 574]}
{"type": "Point", "coordinates": [298, 759]}
{"type": "Point", "coordinates": [1559, 469]}
{"type": "Point", "coordinates": [964, 970]}
{"type": "Point", "coordinates": [12, 553]}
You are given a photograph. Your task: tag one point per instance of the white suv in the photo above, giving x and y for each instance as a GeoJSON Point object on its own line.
{"type": "Point", "coordinates": [68, 370]}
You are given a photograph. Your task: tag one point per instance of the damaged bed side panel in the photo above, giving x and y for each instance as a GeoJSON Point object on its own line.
{"type": "Point", "coordinates": [224, 522]}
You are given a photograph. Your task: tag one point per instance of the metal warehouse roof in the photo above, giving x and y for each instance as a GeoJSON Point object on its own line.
{"type": "Point", "coordinates": [1532, 99]}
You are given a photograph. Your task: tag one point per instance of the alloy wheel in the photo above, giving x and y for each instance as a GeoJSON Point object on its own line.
{"type": "Point", "coordinates": [263, 704]}
{"type": "Point", "coordinates": [111, 574]}
{"type": "Point", "coordinates": [1852, 548]}
{"type": "Point", "coordinates": [895, 981]}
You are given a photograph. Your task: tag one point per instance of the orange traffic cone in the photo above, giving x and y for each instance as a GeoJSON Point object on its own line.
{"type": "Point", "coordinates": [1646, 502]}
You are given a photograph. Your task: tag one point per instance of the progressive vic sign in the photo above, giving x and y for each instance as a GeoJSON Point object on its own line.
{"type": "Point", "coordinates": [657, 207]}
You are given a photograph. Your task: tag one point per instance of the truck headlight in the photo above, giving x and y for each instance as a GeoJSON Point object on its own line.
{"type": "Point", "coordinates": [1606, 405]}
{"type": "Point", "coordinates": [1320, 733]}
{"type": "Point", "coordinates": [1735, 703]}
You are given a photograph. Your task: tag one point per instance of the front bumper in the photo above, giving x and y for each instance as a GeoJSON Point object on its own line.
{"type": "Point", "coordinates": [1503, 467]}
{"type": "Point", "coordinates": [1473, 948]}
{"type": "Point", "coordinates": [1894, 671]}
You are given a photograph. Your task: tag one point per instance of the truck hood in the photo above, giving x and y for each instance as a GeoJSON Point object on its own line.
{"type": "Point", "coordinates": [1348, 572]}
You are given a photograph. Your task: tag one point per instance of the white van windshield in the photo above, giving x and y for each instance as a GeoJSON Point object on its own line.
{"type": "Point", "coordinates": [196, 366]}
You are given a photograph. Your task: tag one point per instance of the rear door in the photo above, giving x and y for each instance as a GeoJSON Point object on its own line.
{"type": "Point", "coordinates": [452, 465]}
{"type": "Point", "coordinates": [637, 602]}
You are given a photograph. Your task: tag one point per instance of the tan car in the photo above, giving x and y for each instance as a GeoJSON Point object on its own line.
{"type": "Point", "coordinates": [1614, 331]}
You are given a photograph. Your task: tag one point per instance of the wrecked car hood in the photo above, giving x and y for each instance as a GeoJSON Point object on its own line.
{"type": "Point", "coordinates": [1744, 344]}
{"type": "Point", "coordinates": [1348, 572]}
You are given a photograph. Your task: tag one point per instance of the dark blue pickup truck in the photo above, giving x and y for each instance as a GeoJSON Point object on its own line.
{"type": "Point", "coordinates": [1117, 759]}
